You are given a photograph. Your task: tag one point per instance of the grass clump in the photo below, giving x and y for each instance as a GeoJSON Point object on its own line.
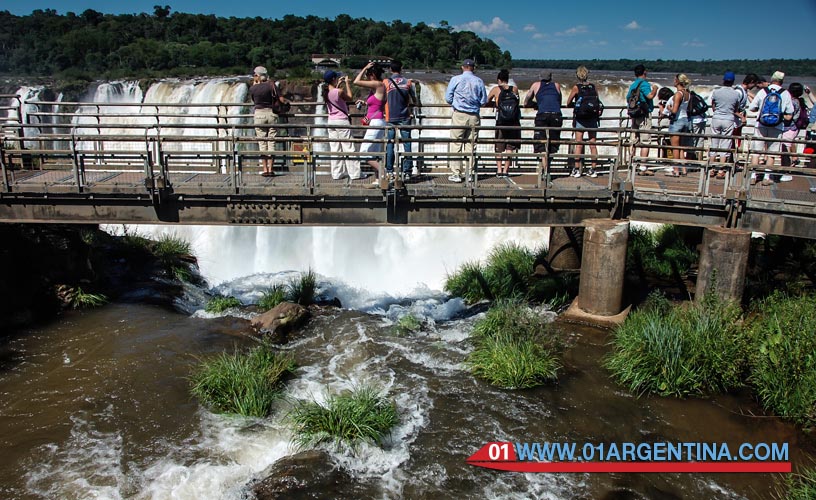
{"type": "Point", "coordinates": [800, 486]}
{"type": "Point", "coordinates": [221, 304]}
{"type": "Point", "coordinates": [514, 348]}
{"type": "Point", "coordinates": [679, 350]}
{"type": "Point", "coordinates": [242, 383]}
{"type": "Point", "coordinates": [363, 414]}
{"type": "Point", "coordinates": [273, 296]}
{"type": "Point", "coordinates": [783, 356]}
{"type": "Point", "coordinates": [508, 274]}
{"type": "Point", "coordinates": [77, 298]}
{"type": "Point", "coordinates": [303, 289]}
{"type": "Point", "coordinates": [407, 324]}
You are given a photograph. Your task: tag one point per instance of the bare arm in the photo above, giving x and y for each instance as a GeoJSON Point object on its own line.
{"type": "Point", "coordinates": [571, 96]}
{"type": "Point", "coordinates": [345, 88]}
{"type": "Point", "coordinates": [493, 96]}
{"type": "Point", "coordinates": [369, 84]}
{"type": "Point", "coordinates": [653, 93]}
{"type": "Point", "coordinates": [530, 94]}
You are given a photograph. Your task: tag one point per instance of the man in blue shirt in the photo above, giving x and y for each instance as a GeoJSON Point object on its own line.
{"type": "Point", "coordinates": [466, 94]}
{"type": "Point", "coordinates": [647, 93]}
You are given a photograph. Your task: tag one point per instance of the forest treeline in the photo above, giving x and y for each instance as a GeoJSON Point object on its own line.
{"type": "Point", "coordinates": [167, 44]}
{"type": "Point", "coordinates": [766, 67]}
{"type": "Point", "coordinates": [93, 45]}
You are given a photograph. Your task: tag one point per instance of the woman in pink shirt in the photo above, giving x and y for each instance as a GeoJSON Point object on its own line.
{"type": "Point", "coordinates": [373, 74]}
{"type": "Point", "coordinates": [336, 92]}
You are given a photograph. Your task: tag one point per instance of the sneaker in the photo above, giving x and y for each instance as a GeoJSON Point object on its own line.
{"type": "Point", "coordinates": [786, 178]}
{"type": "Point", "coordinates": [592, 173]}
{"type": "Point", "coordinates": [455, 178]}
{"type": "Point", "coordinates": [575, 173]}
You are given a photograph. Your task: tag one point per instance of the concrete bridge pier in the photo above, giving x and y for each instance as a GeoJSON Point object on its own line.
{"type": "Point", "coordinates": [603, 263]}
{"type": "Point", "coordinates": [565, 248]}
{"type": "Point", "coordinates": [723, 263]}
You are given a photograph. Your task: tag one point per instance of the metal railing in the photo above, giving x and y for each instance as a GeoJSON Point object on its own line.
{"type": "Point", "coordinates": [90, 142]}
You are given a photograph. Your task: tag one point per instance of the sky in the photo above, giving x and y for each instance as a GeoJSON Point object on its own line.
{"type": "Point", "coordinates": [630, 29]}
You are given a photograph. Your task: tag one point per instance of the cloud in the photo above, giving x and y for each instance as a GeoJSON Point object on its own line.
{"type": "Point", "coordinates": [576, 30]}
{"type": "Point", "coordinates": [530, 27]}
{"type": "Point", "coordinates": [653, 43]}
{"type": "Point", "coordinates": [694, 43]}
{"type": "Point", "coordinates": [495, 26]}
{"type": "Point", "coordinates": [539, 36]}
{"type": "Point", "coordinates": [632, 26]}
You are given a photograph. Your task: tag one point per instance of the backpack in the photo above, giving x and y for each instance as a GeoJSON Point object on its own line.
{"type": "Point", "coordinates": [697, 105]}
{"type": "Point", "coordinates": [770, 113]}
{"type": "Point", "coordinates": [802, 119]}
{"type": "Point", "coordinates": [587, 103]}
{"type": "Point", "coordinates": [507, 108]}
{"type": "Point", "coordinates": [636, 105]}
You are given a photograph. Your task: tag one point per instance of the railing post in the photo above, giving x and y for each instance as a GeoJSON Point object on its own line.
{"type": "Point", "coordinates": [6, 185]}
{"type": "Point", "coordinates": [472, 167]}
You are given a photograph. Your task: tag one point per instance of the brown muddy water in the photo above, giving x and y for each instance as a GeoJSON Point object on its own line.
{"type": "Point", "coordinates": [97, 406]}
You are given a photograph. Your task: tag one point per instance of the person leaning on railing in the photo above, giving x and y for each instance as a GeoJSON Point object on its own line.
{"type": "Point", "coordinates": [264, 93]}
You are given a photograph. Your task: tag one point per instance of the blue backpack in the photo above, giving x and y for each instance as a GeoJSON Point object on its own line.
{"type": "Point", "coordinates": [770, 113]}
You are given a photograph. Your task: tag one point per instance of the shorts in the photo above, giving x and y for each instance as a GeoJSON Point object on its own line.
{"type": "Point", "coordinates": [763, 132]}
{"type": "Point", "coordinates": [508, 139]}
{"type": "Point", "coordinates": [680, 125]}
{"type": "Point", "coordinates": [586, 123]}
{"type": "Point", "coordinates": [643, 123]}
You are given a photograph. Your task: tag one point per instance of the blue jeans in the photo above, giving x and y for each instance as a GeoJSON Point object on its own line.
{"type": "Point", "coordinates": [405, 139]}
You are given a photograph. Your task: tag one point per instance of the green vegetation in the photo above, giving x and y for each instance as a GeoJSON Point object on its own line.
{"type": "Point", "coordinates": [220, 304]}
{"type": "Point", "coordinates": [172, 253]}
{"type": "Point", "coordinates": [303, 289]}
{"type": "Point", "coordinates": [690, 349]}
{"type": "Point", "coordinates": [91, 44]}
{"type": "Point", "coordinates": [514, 348]}
{"type": "Point", "coordinates": [508, 274]}
{"type": "Point", "coordinates": [783, 356]}
{"type": "Point", "coordinates": [798, 67]}
{"type": "Point", "coordinates": [407, 324]}
{"type": "Point", "coordinates": [800, 486]}
{"type": "Point", "coordinates": [243, 383]}
{"type": "Point", "coordinates": [360, 415]}
{"type": "Point", "coordinates": [273, 296]}
{"type": "Point", "coordinates": [780, 263]}
{"type": "Point", "coordinates": [77, 298]}
{"type": "Point", "coordinates": [668, 252]}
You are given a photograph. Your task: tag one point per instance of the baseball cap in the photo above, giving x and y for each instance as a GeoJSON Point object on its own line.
{"type": "Point", "coordinates": [729, 76]}
{"type": "Point", "coordinates": [260, 71]}
{"type": "Point", "coordinates": [778, 75]}
{"type": "Point", "coordinates": [330, 75]}
{"type": "Point", "coordinates": [469, 62]}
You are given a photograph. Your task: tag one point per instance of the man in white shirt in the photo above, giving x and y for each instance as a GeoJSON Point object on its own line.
{"type": "Point", "coordinates": [764, 132]}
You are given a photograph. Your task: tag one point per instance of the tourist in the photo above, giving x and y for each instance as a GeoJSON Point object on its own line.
{"type": "Point", "coordinates": [264, 93]}
{"type": "Point", "coordinates": [547, 95]}
{"type": "Point", "coordinates": [336, 92]}
{"type": "Point", "coordinates": [400, 97]}
{"type": "Point", "coordinates": [587, 109]}
{"type": "Point", "coordinates": [749, 83]}
{"type": "Point", "coordinates": [679, 120]}
{"type": "Point", "coordinates": [725, 103]}
{"type": "Point", "coordinates": [665, 102]}
{"type": "Point", "coordinates": [766, 133]}
{"type": "Point", "coordinates": [466, 93]}
{"type": "Point", "coordinates": [643, 124]}
{"type": "Point", "coordinates": [370, 77]}
{"type": "Point", "coordinates": [505, 98]}
{"type": "Point", "coordinates": [791, 127]}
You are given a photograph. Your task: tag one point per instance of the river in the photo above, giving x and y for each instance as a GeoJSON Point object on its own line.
{"type": "Point", "coordinates": [97, 405]}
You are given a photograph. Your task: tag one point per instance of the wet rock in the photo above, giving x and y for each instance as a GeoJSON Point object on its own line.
{"type": "Point", "coordinates": [279, 321]}
{"type": "Point", "coordinates": [307, 475]}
